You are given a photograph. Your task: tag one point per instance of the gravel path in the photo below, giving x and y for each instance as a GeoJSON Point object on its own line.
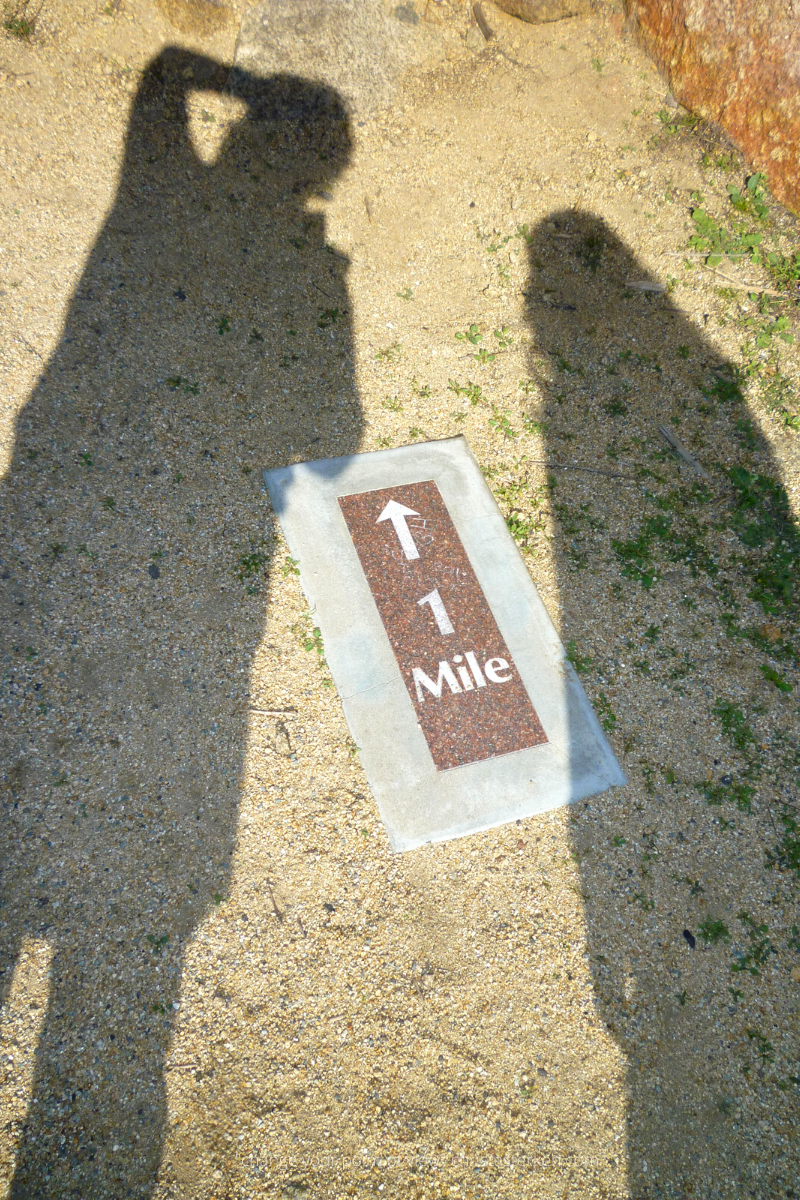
{"type": "Point", "coordinates": [218, 980]}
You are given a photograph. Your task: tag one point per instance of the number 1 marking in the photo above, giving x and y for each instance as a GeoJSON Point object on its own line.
{"type": "Point", "coordinates": [439, 612]}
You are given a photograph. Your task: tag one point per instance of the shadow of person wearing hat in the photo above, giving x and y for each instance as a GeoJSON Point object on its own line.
{"type": "Point", "coordinates": [208, 337]}
{"type": "Point", "coordinates": [678, 588]}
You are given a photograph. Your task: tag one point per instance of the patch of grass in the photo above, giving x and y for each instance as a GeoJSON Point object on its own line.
{"type": "Point", "coordinates": [764, 1049]}
{"type": "Point", "coordinates": [764, 331]}
{"type": "Point", "coordinates": [392, 404]}
{"type": "Point", "coordinates": [742, 241]}
{"type": "Point", "coordinates": [314, 642]}
{"type": "Point", "coordinates": [531, 425]}
{"type": "Point", "coordinates": [576, 522]}
{"type": "Point", "coordinates": [406, 294]}
{"type": "Point", "coordinates": [673, 122]}
{"type": "Point", "coordinates": [497, 243]}
{"type": "Point", "coordinates": [785, 856]}
{"type": "Point", "coordinates": [177, 381]}
{"type": "Point", "coordinates": [779, 395]}
{"type": "Point", "coordinates": [581, 663]}
{"type": "Point", "coordinates": [590, 250]}
{"type": "Point", "coordinates": [389, 354]}
{"type": "Point", "coordinates": [328, 317]}
{"type": "Point", "coordinates": [773, 676]}
{"type": "Point", "coordinates": [473, 391]}
{"type": "Point", "coordinates": [712, 931]}
{"type": "Point", "coordinates": [499, 421]}
{"type": "Point", "coordinates": [636, 554]}
{"type": "Point", "coordinates": [751, 201]}
{"type": "Point", "coordinates": [784, 268]}
{"type": "Point", "coordinates": [757, 954]}
{"type": "Point", "coordinates": [20, 21]}
{"type": "Point", "coordinates": [608, 718]}
{"type": "Point", "coordinates": [249, 566]}
{"type": "Point", "coordinates": [762, 517]}
{"type": "Point", "coordinates": [563, 365]}
{"type": "Point", "coordinates": [734, 724]}
{"type": "Point", "coordinates": [524, 527]}
{"type": "Point", "coordinates": [735, 791]}
{"type": "Point", "coordinates": [472, 335]}
{"type": "Point", "coordinates": [290, 566]}
{"type": "Point", "coordinates": [520, 502]}
{"type": "Point", "coordinates": [715, 242]}
{"type": "Point", "coordinates": [727, 161]}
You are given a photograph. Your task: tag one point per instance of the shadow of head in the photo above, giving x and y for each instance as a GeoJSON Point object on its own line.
{"type": "Point", "coordinates": [281, 113]}
{"type": "Point", "coordinates": [585, 282]}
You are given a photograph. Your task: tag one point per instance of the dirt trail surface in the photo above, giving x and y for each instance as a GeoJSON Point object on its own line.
{"type": "Point", "coordinates": [218, 981]}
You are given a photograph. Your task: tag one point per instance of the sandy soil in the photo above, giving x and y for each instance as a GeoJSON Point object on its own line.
{"type": "Point", "coordinates": [218, 980]}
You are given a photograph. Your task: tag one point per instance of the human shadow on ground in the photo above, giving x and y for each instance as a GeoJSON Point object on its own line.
{"type": "Point", "coordinates": [208, 338]}
{"type": "Point", "coordinates": [678, 590]}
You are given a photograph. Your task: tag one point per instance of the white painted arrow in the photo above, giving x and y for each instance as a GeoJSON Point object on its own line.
{"type": "Point", "coordinates": [397, 513]}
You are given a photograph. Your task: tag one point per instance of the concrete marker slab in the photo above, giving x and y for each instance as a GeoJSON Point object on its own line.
{"type": "Point", "coordinates": [451, 741]}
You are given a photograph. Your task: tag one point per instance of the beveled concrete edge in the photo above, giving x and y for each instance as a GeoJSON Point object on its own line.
{"type": "Point", "coordinates": [417, 804]}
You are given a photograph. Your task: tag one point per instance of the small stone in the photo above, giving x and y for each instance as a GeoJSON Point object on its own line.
{"type": "Point", "coordinates": [153, 571]}
{"type": "Point", "coordinates": [407, 14]}
{"type": "Point", "coordinates": [796, 974]}
{"type": "Point", "coordinates": [539, 12]}
{"type": "Point", "coordinates": [690, 938]}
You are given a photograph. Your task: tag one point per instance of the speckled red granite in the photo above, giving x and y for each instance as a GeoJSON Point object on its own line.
{"type": "Point", "coordinates": [464, 726]}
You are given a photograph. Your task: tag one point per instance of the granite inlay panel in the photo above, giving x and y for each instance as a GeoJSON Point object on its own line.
{"type": "Point", "coordinates": [470, 701]}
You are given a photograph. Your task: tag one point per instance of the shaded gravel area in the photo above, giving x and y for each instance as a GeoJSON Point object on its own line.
{"type": "Point", "coordinates": [218, 981]}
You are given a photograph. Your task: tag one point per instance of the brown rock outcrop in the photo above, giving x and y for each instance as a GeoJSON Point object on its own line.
{"type": "Point", "coordinates": [736, 62]}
